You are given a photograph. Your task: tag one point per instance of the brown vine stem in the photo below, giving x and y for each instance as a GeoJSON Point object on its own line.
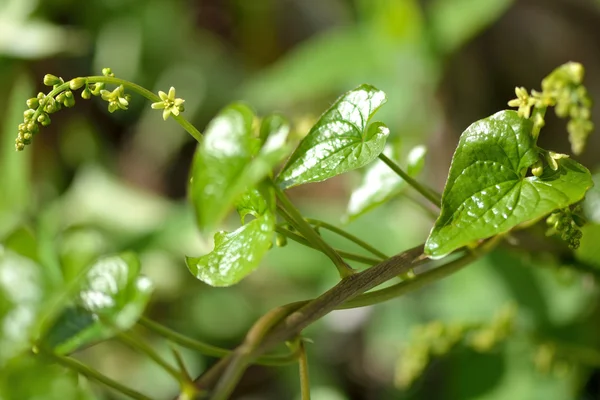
{"type": "Point", "coordinates": [286, 323]}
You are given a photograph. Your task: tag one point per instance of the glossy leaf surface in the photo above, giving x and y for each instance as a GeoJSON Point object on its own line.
{"type": "Point", "coordinates": [380, 183]}
{"type": "Point", "coordinates": [342, 140]}
{"type": "Point", "coordinates": [238, 253]}
{"type": "Point", "coordinates": [112, 298]}
{"type": "Point", "coordinates": [488, 192]}
{"type": "Point", "coordinates": [228, 162]}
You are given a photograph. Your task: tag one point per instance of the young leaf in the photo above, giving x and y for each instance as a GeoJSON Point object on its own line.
{"type": "Point", "coordinates": [488, 192]}
{"type": "Point", "coordinates": [225, 165]}
{"type": "Point", "coordinates": [342, 139]}
{"type": "Point", "coordinates": [238, 253]}
{"type": "Point", "coordinates": [380, 183]}
{"type": "Point", "coordinates": [112, 298]}
{"type": "Point", "coordinates": [21, 297]}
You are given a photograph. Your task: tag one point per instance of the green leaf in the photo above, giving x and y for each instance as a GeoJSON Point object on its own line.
{"type": "Point", "coordinates": [488, 192]}
{"type": "Point", "coordinates": [381, 184]}
{"type": "Point", "coordinates": [453, 22]}
{"type": "Point", "coordinates": [21, 297]}
{"type": "Point", "coordinates": [342, 139]}
{"type": "Point", "coordinates": [238, 253]}
{"type": "Point", "coordinates": [111, 299]}
{"type": "Point", "coordinates": [225, 166]}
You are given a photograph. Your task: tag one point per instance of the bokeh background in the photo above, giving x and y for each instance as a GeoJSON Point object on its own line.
{"type": "Point", "coordinates": [98, 183]}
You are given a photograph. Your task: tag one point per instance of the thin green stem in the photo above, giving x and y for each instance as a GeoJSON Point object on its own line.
{"type": "Point", "coordinates": [94, 375]}
{"type": "Point", "coordinates": [185, 124]}
{"type": "Point", "coordinates": [428, 193]}
{"type": "Point", "coordinates": [332, 228]}
{"type": "Point", "coordinates": [344, 254]}
{"type": "Point", "coordinates": [297, 220]}
{"type": "Point", "coordinates": [141, 346]}
{"type": "Point", "coordinates": [208, 349]}
{"type": "Point", "coordinates": [536, 116]}
{"type": "Point", "coordinates": [303, 370]}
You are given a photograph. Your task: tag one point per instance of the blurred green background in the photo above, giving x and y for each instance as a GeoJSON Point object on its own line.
{"type": "Point", "coordinates": [95, 183]}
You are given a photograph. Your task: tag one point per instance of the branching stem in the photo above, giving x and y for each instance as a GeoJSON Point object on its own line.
{"type": "Point", "coordinates": [293, 216]}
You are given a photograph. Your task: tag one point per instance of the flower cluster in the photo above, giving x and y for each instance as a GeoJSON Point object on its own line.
{"type": "Point", "coordinates": [562, 89]}
{"type": "Point", "coordinates": [40, 107]}
{"type": "Point", "coordinates": [437, 339]}
{"type": "Point", "coordinates": [566, 223]}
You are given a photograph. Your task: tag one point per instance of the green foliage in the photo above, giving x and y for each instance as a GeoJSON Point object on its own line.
{"type": "Point", "coordinates": [380, 184]}
{"type": "Point", "coordinates": [110, 299]}
{"type": "Point", "coordinates": [500, 181]}
{"type": "Point", "coordinates": [238, 253]}
{"type": "Point", "coordinates": [342, 140]}
{"type": "Point", "coordinates": [228, 161]}
{"type": "Point", "coordinates": [488, 191]}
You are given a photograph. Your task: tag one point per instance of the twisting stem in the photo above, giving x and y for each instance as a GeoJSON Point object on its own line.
{"type": "Point", "coordinates": [344, 254]}
{"type": "Point", "coordinates": [429, 194]}
{"type": "Point", "coordinates": [303, 370]}
{"type": "Point", "coordinates": [295, 218]}
{"type": "Point", "coordinates": [322, 224]}
{"type": "Point", "coordinates": [208, 349]}
{"type": "Point", "coordinates": [243, 355]}
{"type": "Point", "coordinates": [409, 285]}
{"type": "Point", "coordinates": [94, 375]}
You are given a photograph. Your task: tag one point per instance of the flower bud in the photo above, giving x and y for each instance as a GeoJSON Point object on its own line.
{"type": "Point", "coordinates": [33, 103]}
{"type": "Point", "coordinates": [51, 80]}
{"type": "Point", "coordinates": [107, 72]}
{"type": "Point", "coordinates": [76, 83]}
{"type": "Point", "coordinates": [86, 94]}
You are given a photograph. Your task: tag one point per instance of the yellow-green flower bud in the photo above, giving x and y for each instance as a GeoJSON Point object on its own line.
{"type": "Point", "coordinates": [86, 94]}
{"type": "Point", "coordinates": [107, 72]}
{"type": "Point", "coordinates": [44, 119]}
{"type": "Point", "coordinates": [76, 83]}
{"type": "Point", "coordinates": [28, 114]}
{"type": "Point", "coordinates": [33, 127]}
{"type": "Point", "coordinates": [537, 169]}
{"type": "Point", "coordinates": [69, 101]}
{"type": "Point", "coordinates": [51, 80]}
{"type": "Point", "coordinates": [33, 103]}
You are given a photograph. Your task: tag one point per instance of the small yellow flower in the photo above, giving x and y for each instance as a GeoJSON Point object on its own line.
{"type": "Point", "coordinates": [169, 104]}
{"type": "Point", "coordinates": [523, 101]}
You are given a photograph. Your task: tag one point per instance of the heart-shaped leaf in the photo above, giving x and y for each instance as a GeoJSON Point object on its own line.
{"type": "Point", "coordinates": [488, 192]}
{"type": "Point", "coordinates": [112, 298]}
{"type": "Point", "coordinates": [342, 139]}
{"type": "Point", "coordinates": [228, 163]}
{"type": "Point", "coordinates": [238, 253]}
{"type": "Point", "coordinates": [21, 297]}
{"type": "Point", "coordinates": [381, 184]}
